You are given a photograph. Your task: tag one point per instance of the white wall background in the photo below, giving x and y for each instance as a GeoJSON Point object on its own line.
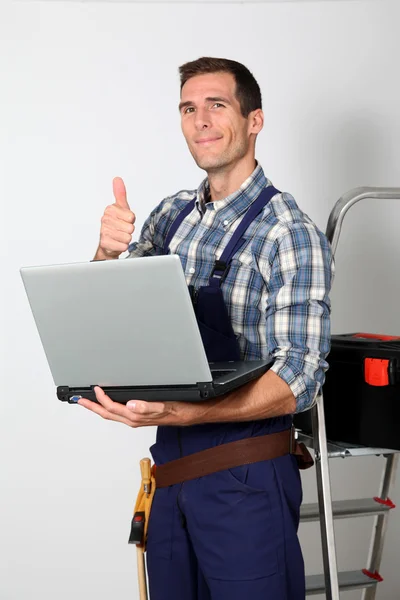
{"type": "Point", "coordinates": [90, 91]}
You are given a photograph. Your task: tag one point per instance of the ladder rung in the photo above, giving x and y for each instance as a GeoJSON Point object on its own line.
{"type": "Point", "coordinates": [348, 580]}
{"type": "Point", "coordinates": [343, 450]}
{"type": "Point", "coordinates": [343, 509]}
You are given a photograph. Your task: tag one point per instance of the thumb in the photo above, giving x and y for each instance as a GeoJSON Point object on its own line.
{"type": "Point", "coordinates": [145, 408]}
{"type": "Point", "coordinates": [119, 191]}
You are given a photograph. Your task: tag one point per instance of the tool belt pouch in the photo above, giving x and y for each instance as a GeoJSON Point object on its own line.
{"type": "Point", "coordinates": [303, 456]}
{"type": "Point", "coordinates": [141, 514]}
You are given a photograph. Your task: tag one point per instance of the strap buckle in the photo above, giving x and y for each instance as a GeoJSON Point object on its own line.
{"type": "Point", "coordinates": [219, 265]}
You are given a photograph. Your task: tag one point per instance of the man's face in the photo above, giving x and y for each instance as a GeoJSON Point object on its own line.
{"type": "Point", "coordinates": [217, 134]}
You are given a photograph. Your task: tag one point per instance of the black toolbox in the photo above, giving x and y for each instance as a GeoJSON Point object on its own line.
{"type": "Point", "coordinates": [361, 391]}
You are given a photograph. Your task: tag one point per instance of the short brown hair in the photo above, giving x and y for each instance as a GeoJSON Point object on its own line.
{"type": "Point", "coordinates": [247, 89]}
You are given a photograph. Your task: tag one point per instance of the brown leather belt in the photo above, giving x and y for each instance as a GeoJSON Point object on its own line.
{"type": "Point", "coordinates": [233, 454]}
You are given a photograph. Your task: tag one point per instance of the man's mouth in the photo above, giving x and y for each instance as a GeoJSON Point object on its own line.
{"type": "Point", "coordinates": [208, 140]}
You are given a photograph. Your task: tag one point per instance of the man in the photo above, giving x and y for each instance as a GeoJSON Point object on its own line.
{"type": "Point", "coordinates": [232, 533]}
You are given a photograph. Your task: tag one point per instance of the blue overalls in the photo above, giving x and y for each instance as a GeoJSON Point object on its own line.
{"type": "Point", "coordinates": [231, 535]}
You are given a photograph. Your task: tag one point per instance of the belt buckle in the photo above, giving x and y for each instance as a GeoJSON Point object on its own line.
{"type": "Point", "coordinates": [293, 439]}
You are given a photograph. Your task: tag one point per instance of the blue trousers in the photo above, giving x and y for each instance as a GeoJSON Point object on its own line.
{"type": "Point", "coordinates": [231, 535]}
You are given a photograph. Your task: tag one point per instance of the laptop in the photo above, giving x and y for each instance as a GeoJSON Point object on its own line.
{"type": "Point", "coordinates": [129, 327]}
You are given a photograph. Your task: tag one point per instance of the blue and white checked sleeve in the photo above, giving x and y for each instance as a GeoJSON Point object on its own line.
{"type": "Point", "coordinates": [155, 228]}
{"type": "Point", "coordinates": [298, 309]}
{"type": "Point", "coordinates": [145, 245]}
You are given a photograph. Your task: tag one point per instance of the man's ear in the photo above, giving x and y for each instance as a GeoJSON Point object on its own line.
{"type": "Point", "coordinates": [256, 121]}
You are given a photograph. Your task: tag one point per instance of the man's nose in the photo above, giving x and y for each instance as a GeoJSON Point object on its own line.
{"type": "Point", "coordinates": [202, 120]}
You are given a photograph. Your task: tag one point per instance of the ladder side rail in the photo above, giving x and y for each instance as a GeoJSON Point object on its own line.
{"type": "Point", "coordinates": [325, 501]}
{"type": "Point", "coordinates": [381, 523]}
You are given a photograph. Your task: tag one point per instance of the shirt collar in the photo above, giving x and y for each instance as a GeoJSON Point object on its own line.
{"type": "Point", "coordinates": [230, 208]}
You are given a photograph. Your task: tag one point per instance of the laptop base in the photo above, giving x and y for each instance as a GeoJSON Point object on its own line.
{"type": "Point", "coordinates": [227, 376]}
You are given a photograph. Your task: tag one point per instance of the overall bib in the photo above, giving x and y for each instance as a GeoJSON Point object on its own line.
{"type": "Point", "coordinates": [230, 535]}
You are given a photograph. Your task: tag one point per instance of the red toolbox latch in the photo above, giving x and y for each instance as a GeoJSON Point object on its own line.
{"type": "Point", "coordinates": [376, 371]}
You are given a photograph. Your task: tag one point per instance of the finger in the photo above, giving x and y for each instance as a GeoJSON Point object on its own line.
{"type": "Point", "coordinates": [124, 220]}
{"type": "Point", "coordinates": [120, 410]}
{"type": "Point", "coordinates": [103, 412]}
{"type": "Point", "coordinates": [119, 219]}
{"type": "Point", "coordinates": [114, 408]}
{"type": "Point", "coordinates": [108, 237]}
{"type": "Point", "coordinates": [119, 191]}
{"type": "Point", "coordinates": [113, 248]}
{"type": "Point", "coordinates": [139, 408]}
{"type": "Point", "coordinates": [123, 214]}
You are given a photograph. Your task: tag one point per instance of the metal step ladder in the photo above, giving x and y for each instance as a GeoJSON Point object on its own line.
{"type": "Point", "coordinates": [331, 582]}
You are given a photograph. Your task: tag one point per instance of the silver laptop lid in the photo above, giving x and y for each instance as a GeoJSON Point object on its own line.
{"type": "Point", "coordinates": [117, 323]}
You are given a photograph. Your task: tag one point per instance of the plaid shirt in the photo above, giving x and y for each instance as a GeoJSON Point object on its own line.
{"type": "Point", "coordinates": [277, 287]}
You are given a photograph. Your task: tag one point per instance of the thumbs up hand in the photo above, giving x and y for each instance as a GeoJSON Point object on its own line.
{"type": "Point", "coordinates": [117, 225]}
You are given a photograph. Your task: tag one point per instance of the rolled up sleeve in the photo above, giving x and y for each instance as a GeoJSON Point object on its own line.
{"type": "Point", "coordinates": [145, 245]}
{"type": "Point", "coordinates": [298, 309]}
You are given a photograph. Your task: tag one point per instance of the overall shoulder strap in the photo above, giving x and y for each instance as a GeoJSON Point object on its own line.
{"type": "Point", "coordinates": [175, 225]}
{"type": "Point", "coordinates": [237, 240]}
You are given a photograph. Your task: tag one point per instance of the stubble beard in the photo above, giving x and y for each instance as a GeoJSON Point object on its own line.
{"type": "Point", "coordinates": [219, 163]}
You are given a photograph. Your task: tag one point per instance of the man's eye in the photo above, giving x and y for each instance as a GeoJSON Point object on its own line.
{"type": "Point", "coordinates": [188, 109]}
{"type": "Point", "coordinates": [218, 104]}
